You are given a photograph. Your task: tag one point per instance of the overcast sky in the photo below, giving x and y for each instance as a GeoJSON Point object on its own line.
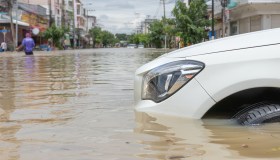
{"type": "Point", "coordinates": [123, 16]}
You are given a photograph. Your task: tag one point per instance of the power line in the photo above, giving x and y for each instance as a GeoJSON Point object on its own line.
{"type": "Point", "coordinates": [156, 13]}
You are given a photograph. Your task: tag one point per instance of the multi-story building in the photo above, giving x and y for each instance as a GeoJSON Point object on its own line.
{"type": "Point", "coordinates": [91, 22]}
{"type": "Point", "coordinates": [243, 16]}
{"type": "Point", "coordinates": [69, 13]}
{"type": "Point", "coordinates": [67, 16]}
{"type": "Point", "coordinates": [54, 8]}
{"type": "Point", "coordinates": [26, 17]}
{"type": "Point", "coordinates": [145, 25]}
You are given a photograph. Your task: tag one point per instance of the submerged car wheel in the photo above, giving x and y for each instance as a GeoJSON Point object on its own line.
{"type": "Point", "coordinates": [259, 113]}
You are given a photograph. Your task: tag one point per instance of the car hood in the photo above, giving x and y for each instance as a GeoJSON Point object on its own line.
{"type": "Point", "coordinates": [243, 41]}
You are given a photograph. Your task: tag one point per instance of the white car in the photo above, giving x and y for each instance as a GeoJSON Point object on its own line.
{"type": "Point", "coordinates": [131, 46]}
{"type": "Point", "coordinates": [234, 77]}
{"type": "Point", "coordinates": [141, 46]}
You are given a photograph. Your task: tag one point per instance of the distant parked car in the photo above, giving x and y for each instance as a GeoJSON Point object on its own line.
{"type": "Point", "coordinates": [131, 46]}
{"type": "Point", "coordinates": [235, 77]}
{"type": "Point", "coordinates": [140, 46]}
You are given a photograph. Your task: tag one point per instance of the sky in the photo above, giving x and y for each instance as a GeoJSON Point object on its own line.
{"type": "Point", "coordinates": [123, 16]}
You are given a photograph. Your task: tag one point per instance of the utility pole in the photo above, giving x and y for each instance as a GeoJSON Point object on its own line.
{"type": "Point", "coordinates": [224, 5]}
{"type": "Point", "coordinates": [213, 36]}
{"type": "Point", "coordinates": [50, 12]}
{"type": "Point", "coordinates": [16, 41]}
{"type": "Point", "coordinates": [163, 1]}
{"type": "Point", "coordinates": [164, 20]}
{"type": "Point", "coordinates": [74, 21]}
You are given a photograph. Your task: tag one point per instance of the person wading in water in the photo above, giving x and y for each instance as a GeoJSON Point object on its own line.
{"type": "Point", "coordinates": [28, 44]}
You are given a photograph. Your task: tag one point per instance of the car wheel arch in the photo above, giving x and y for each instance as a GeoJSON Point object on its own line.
{"type": "Point", "coordinates": [231, 104]}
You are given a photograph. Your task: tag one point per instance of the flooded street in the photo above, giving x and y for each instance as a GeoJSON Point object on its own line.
{"type": "Point", "coordinates": [78, 105]}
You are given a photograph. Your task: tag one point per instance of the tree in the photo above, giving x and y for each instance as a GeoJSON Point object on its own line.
{"type": "Point", "coordinates": [95, 33]}
{"type": "Point", "coordinates": [144, 39]}
{"type": "Point", "coordinates": [139, 39]}
{"type": "Point", "coordinates": [156, 33]}
{"type": "Point", "coordinates": [191, 22]}
{"type": "Point", "coordinates": [170, 31]}
{"type": "Point", "coordinates": [105, 38]}
{"type": "Point", "coordinates": [55, 34]}
{"type": "Point", "coordinates": [108, 38]}
{"type": "Point", "coordinates": [121, 37]}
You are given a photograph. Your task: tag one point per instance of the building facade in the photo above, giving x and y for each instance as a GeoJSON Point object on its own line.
{"type": "Point", "coordinates": [54, 8]}
{"type": "Point", "coordinates": [243, 16]}
{"type": "Point", "coordinates": [68, 13]}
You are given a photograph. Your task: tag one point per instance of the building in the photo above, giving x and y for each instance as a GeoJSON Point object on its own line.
{"type": "Point", "coordinates": [143, 27]}
{"type": "Point", "coordinates": [26, 17]}
{"type": "Point", "coordinates": [91, 22]}
{"type": "Point", "coordinates": [54, 8]}
{"type": "Point", "coordinates": [243, 16]}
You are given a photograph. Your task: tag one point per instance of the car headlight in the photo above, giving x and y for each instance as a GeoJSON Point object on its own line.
{"type": "Point", "coordinates": [163, 81]}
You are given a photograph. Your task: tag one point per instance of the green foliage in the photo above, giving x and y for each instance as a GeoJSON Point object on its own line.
{"type": "Point", "coordinates": [139, 39]}
{"type": "Point", "coordinates": [95, 33]}
{"type": "Point", "coordinates": [170, 32]}
{"type": "Point", "coordinates": [55, 34]}
{"type": "Point", "coordinates": [102, 37]}
{"type": "Point", "coordinates": [108, 38]}
{"type": "Point", "coordinates": [144, 39]}
{"type": "Point", "coordinates": [191, 22]}
{"type": "Point", "coordinates": [121, 37]}
{"type": "Point", "coordinates": [156, 33]}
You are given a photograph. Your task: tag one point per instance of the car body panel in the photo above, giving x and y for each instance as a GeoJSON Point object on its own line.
{"type": "Point", "coordinates": [248, 40]}
{"type": "Point", "coordinates": [239, 70]}
{"type": "Point", "coordinates": [231, 65]}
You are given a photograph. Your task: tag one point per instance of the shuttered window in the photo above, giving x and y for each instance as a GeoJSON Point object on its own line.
{"type": "Point", "coordinates": [256, 23]}
{"type": "Point", "coordinates": [244, 26]}
{"type": "Point", "coordinates": [275, 21]}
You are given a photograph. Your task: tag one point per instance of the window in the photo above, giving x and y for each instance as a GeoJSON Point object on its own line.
{"type": "Point", "coordinates": [244, 25]}
{"type": "Point", "coordinates": [275, 21]}
{"type": "Point", "coordinates": [78, 10]}
{"type": "Point", "coordinates": [256, 23]}
{"type": "Point", "coordinates": [233, 28]}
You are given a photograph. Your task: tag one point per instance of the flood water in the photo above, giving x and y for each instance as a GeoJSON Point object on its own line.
{"type": "Point", "coordinates": [78, 105]}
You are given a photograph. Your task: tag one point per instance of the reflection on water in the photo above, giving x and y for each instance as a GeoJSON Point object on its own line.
{"type": "Point", "coordinates": [79, 105]}
{"type": "Point", "coordinates": [69, 104]}
{"type": "Point", "coordinates": [254, 141]}
{"type": "Point", "coordinates": [181, 138]}
{"type": "Point", "coordinates": [165, 144]}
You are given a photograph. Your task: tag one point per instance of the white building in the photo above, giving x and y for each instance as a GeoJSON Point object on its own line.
{"type": "Point", "coordinates": [91, 22]}
{"type": "Point", "coordinates": [243, 16]}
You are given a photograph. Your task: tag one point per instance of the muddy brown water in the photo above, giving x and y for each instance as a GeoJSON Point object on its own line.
{"type": "Point", "coordinates": [78, 105]}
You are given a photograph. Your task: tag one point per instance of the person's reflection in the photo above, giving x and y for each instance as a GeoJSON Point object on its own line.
{"type": "Point", "coordinates": [29, 65]}
{"type": "Point", "coordinates": [165, 143]}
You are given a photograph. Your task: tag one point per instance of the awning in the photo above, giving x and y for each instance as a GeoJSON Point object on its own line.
{"type": "Point", "coordinates": [21, 23]}
{"type": "Point", "coordinates": [14, 21]}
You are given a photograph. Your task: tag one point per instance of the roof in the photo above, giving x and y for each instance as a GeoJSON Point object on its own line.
{"type": "Point", "coordinates": [31, 8]}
